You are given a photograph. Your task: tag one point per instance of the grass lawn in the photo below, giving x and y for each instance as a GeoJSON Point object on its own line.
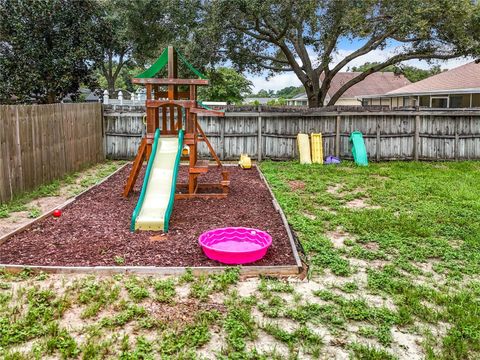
{"type": "Point", "coordinates": [394, 262]}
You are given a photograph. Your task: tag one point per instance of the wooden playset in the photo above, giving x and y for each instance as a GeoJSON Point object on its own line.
{"type": "Point", "coordinates": [171, 105]}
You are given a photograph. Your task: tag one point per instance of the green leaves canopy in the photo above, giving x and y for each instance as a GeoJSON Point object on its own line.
{"type": "Point", "coordinates": [46, 48]}
{"type": "Point", "coordinates": [303, 36]}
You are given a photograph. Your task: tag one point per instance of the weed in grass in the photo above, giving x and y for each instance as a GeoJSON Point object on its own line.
{"type": "Point", "coordinates": [34, 212]}
{"type": "Point", "coordinates": [143, 350]}
{"type": "Point", "coordinates": [28, 320]}
{"type": "Point", "coordinates": [238, 324]}
{"type": "Point", "coordinates": [96, 349]}
{"type": "Point", "coordinates": [136, 288]}
{"type": "Point", "coordinates": [164, 290]}
{"type": "Point", "coordinates": [301, 338]}
{"type": "Point", "coordinates": [180, 342]}
{"type": "Point", "coordinates": [274, 307]}
{"type": "Point", "coordinates": [201, 288]}
{"type": "Point", "coordinates": [222, 281]}
{"type": "Point", "coordinates": [128, 313]}
{"type": "Point", "coordinates": [59, 340]}
{"type": "Point", "coordinates": [349, 287]}
{"type": "Point", "coordinates": [204, 285]}
{"type": "Point", "coordinates": [271, 284]}
{"type": "Point", "coordinates": [186, 277]}
{"type": "Point", "coordinates": [365, 352]}
{"type": "Point", "coordinates": [96, 295]}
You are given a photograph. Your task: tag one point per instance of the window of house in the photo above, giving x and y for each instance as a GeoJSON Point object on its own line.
{"type": "Point", "coordinates": [425, 100]}
{"type": "Point", "coordinates": [439, 101]}
{"type": "Point", "coordinates": [460, 101]}
{"type": "Point", "coordinates": [475, 100]}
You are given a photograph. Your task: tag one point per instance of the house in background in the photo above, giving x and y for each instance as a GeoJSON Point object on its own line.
{"type": "Point", "coordinates": [375, 84]}
{"type": "Point", "coordinates": [456, 88]}
{"type": "Point", "coordinates": [259, 101]}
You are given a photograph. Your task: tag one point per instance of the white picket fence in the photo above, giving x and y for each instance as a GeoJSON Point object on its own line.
{"type": "Point", "coordinates": [126, 98]}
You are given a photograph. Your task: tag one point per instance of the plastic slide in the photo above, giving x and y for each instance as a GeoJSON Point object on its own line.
{"type": "Point", "coordinates": [359, 150]}
{"type": "Point", "coordinates": [155, 203]}
{"type": "Point", "coordinates": [317, 148]}
{"type": "Point", "coordinates": [304, 149]}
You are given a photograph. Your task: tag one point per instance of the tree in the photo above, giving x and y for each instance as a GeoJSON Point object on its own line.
{"type": "Point", "coordinates": [46, 48]}
{"type": "Point", "coordinates": [225, 85]}
{"type": "Point", "coordinates": [303, 36]}
{"type": "Point", "coordinates": [290, 91]}
{"type": "Point", "coordinates": [412, 73]}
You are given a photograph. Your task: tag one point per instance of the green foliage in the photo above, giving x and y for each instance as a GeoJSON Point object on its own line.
{"type": "Point", "coordinates": [136, 288]}
{"type": "Point", "coordinates": [165, 290]}
{"type": "Point", "coordinates": [225, 85]}
{"type": "Point", "coordinates": [96, 295]}
{"type": "Point", "coordinates": [364, 352]}
{"type": "Point", "coordinates": [412, 73]}
{"type": "Point", "coordinates": [47, 48]}
{"type": "Point", "coordinates": [34, 212]}
{"type": "Point", "coordinates": [280, 36]}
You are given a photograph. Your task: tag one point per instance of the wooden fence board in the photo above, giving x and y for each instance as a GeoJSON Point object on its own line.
{"type": "Point", "coordinates": [41, 143]}
{"type": "Point", "coordinates": [442, 135]}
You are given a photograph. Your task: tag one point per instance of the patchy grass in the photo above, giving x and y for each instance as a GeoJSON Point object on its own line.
{"type": "Point", "coordinates": [416, 239]}
{"type": "Point", "coordinates": [402, 283]}
{"type": "Point", "coordinates": [70, 185]}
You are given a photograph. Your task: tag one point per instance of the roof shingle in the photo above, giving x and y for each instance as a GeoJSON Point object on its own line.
{"type": "Point", "coordinates": [463, 77]}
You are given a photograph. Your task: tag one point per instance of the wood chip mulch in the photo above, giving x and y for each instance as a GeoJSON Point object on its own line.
{"type": "Point", "coordinates": [94, 230]}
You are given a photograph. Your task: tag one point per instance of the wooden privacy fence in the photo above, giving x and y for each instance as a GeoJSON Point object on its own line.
{"type": "Point", "coordinates": [41, 143]}
{"type": "Point", "coordinates": [389, 135]}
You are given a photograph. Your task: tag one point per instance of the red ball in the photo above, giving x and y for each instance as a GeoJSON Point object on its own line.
{"type": "Point", "coordinates": [57, 213]}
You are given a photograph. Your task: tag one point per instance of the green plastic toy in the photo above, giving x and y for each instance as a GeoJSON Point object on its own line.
{"type": "Point", "coordinates": [359, 150]}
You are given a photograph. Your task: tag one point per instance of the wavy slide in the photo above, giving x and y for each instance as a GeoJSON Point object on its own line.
{"type": "Point", "coordinates": [155, 203]}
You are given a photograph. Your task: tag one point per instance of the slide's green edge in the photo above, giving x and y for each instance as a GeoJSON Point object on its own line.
{"type": "Point", "coordinates": [176, 167]}
{"type": "Point", "coordinates": [145, 181]}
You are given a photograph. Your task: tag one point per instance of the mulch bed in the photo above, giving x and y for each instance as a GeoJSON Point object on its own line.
{"type": "Point", "coordinates": [94, 230]}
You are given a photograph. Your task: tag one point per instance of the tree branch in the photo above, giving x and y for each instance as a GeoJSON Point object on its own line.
{"type": "Point", "coordinates": [393, 60]}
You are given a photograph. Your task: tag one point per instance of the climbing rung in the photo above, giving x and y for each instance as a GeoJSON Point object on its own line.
{"type": "Point", "coordinates": [201, 166]}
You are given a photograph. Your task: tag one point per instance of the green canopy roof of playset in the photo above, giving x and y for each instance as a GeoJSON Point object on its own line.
{"type": "Point", "coordinates": [162, 61]}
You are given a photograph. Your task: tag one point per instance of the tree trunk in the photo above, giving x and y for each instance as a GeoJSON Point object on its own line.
{"type": "Point", "coordinates": [111, 87]}
{"type": "Point", "coordinates": [314, 99]}
{"type": "Point", "coordinates": [51, 97]}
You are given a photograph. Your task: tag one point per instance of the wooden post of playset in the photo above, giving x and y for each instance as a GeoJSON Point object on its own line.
{"type": "Point", "coordinates": [186, 106]}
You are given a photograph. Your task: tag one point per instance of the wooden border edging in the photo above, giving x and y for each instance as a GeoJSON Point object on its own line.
{"type": "Point", "coordinates": [61, 206]}
{"type": "Point", "coordinates": [248, 271]}
{"type": "Point", "coordinates": [284, 220]}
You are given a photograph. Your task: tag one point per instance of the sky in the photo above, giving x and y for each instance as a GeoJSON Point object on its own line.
{"type": "Point", "coordinates": [283, 80]}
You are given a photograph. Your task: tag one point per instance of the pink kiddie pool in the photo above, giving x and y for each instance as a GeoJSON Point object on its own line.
{"type": "Point", "coordinates": [235, 245]}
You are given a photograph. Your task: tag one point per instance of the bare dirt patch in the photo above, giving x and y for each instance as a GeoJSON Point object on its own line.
{"type": "Point", "coordinates": [334, 189]}
{"type": "Point", "coordinates": [371, 246]}
{"type": "Point", "coordinates": [309, 215]}
{"type": "Point", "coordinates": [360, 204]}
{"type": "Point", "coordinates": [338, 237]}
{"type": "Point", "coordinates": [296, 185]}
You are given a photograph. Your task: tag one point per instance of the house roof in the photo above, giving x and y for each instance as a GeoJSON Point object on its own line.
{"type": "Point", "coordinates": [465, 78]}
{"type": "Point", "coordinates": [378, 83]}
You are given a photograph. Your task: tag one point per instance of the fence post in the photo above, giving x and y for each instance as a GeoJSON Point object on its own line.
{"type": "Point", "coordinates": [105, 97]}
{"type": "Point", "coordinates": [222, 137]}
{"type": "Point", "coordinates": [120, 97]}
{"type": "Point", "coordinates": [457, 139]}
{"type": "Point", "coordinates": [416, 140]}
{"type": "Point", "coordinates": [337, 135]}
{"type": "Point", "coordinates": [378, 142]}
{"type": "Point", "coordinates": [259, 137]}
